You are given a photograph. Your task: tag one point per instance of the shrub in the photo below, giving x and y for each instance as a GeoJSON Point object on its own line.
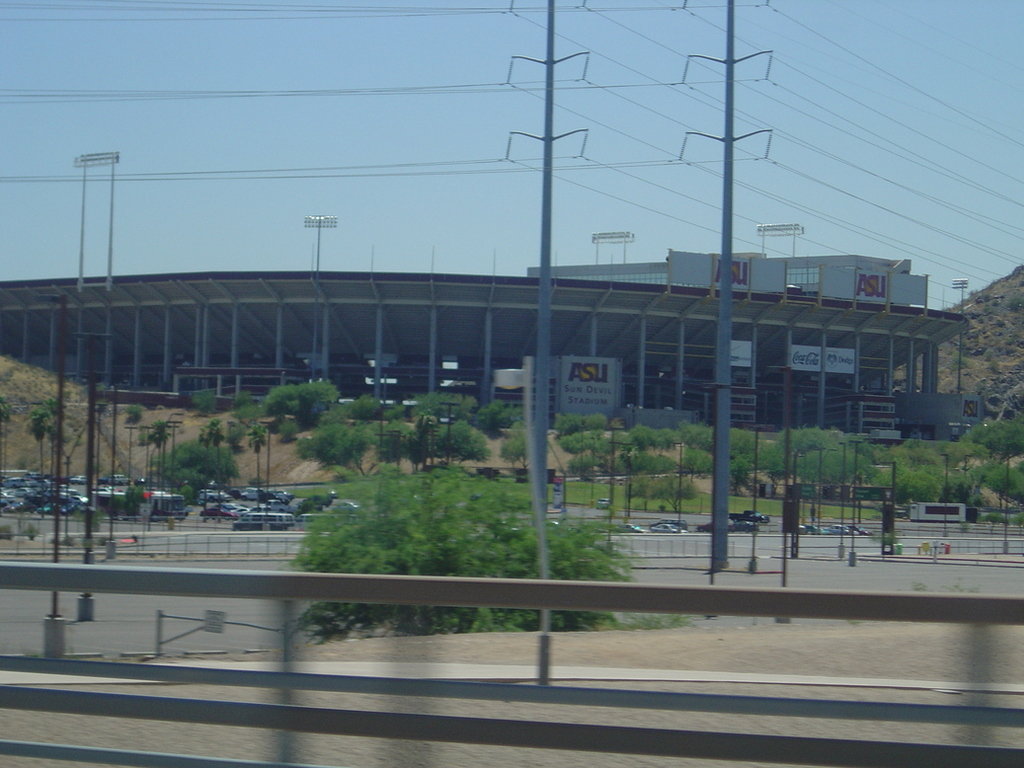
{"type": "Point", "coordinates": [205, 401]}
{"type": "Point", "coordinates": [444, 523]}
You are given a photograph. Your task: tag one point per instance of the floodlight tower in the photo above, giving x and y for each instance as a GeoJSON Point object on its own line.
{"type": "Point", "coordinates": [85, 162]}
{"type": "Point", "coordinates": [780, 230]}
{"type": "Point", "coordinates": [611, 237]}
{"type": "Point", "coordinates": [318, 222]}
{"type": "Point", "coordinates": [961, 283]}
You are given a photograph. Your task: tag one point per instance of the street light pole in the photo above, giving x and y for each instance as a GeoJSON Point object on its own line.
{"type": "Point", "coordinates": [318, 222]}
{"type": "Point", "coordinates": [945, 492]}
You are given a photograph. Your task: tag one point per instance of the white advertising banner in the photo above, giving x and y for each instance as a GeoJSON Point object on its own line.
{"type": "Point", "coordinates": [807, 358]}
{"type": "Point", "coordinates": [588, 384]}
{"type": "Point", "coordinates": [740, 353]}
{"type": "Point", "coordinates": [909, 289]}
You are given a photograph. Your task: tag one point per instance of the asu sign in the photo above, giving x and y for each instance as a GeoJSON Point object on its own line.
{"type": "Point", "coordinates": [588, 385]}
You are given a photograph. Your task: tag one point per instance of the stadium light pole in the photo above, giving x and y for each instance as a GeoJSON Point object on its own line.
{"type": "Point", "coordinates": [611, 237]}
{"type": "Point", "coordinates": [319, 222]}
{"type": "Point", "coordinates": [780, 230]}
{"type": "Point", "coordinates": [961, 284]}
{"type": "Point", "coordinates": [85, 162]}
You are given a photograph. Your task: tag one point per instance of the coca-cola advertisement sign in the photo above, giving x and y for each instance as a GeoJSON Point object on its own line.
{"type": "Point", "coordinates": [837, 360]}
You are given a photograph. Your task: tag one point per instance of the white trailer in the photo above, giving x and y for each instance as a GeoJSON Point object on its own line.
{"type": "Point", "coordinates": [934, 512]}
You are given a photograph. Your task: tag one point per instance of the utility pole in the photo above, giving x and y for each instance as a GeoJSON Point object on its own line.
{"type": "Point", "coordinates": [723, 343]}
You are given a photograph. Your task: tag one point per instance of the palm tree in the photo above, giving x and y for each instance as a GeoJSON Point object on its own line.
{"type": "Point", "coordinates": [159, 434]}
{"type": "Point", "coordinates": [41, 424]}
{"type": "Point", "coordinates": [213, 435]}
{"type": "Point", "coordinates": [5, 416]}
{"type": "Point", "coordinates": [257, 437]}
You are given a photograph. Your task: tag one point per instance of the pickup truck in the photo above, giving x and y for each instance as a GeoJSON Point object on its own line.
{"type": "Point", "coordinates": [749, 515]}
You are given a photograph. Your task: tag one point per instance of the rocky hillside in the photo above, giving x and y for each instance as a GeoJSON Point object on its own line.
{"type": "Point", "coordinates": [993, 348]}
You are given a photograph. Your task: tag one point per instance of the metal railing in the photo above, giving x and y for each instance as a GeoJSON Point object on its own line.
{"type": "Point", "coordinates": [524, 731]}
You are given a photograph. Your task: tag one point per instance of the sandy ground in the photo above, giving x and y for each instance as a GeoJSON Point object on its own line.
{"type": "Point", "coordinates": [904, 653]}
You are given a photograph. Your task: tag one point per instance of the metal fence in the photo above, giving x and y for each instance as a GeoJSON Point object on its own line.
{"type": "Point", "coordinates": [783, 745]}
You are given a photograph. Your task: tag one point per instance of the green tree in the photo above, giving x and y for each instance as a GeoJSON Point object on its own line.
{"type": "Point", "coordinates": [496, 416]}
{"type": "Point", "coordinates": [5, 417]}
{"type": "Point", "coordinates": [461, 442]}
{"type": "Point", "coordinates": [305, 402]}
{"type": "Point", "coordinates": [673, 490]}
{"type": "Point", "coordinates": [338, 445]}
{"type": "Point", "coordinates": [196, 464]}
{"type": "Point", "coordinates": [445, 524]}
{"type": "Point", "coordinates": [513, 447]}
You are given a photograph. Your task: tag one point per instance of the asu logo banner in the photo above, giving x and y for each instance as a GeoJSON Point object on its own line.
{"type": "Point", "coordinates": [588, 385]}
{"type": "Point", "coordinates": [871, 286]}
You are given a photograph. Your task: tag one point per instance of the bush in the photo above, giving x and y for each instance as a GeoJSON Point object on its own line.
{"type": "Point", "coordinates": [133, 413]}
{"type": "Point", "coordinates": [446, 524]}
{"type": "Point", "coordinates": [5, 532]}
{"type": "Point", "coordinates": [205, 402]}
{"type": "Point", "coordinates": [287, 431]}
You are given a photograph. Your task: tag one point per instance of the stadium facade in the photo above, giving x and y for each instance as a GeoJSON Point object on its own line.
{"type": "Point", "coordinates": [632, 338]}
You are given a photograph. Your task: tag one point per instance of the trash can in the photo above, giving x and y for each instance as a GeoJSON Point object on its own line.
{"type": "Point", "coordinates": [948, 548]}
{"type": "Point", "coordinates": [898, 548]}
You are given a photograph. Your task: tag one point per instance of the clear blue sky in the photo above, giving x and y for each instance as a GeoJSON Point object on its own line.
{"type": "Point", "coordinates": [897, 132]}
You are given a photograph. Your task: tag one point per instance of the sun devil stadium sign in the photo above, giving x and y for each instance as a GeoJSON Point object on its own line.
{"type": "Point", "coordinates": [588, 384]}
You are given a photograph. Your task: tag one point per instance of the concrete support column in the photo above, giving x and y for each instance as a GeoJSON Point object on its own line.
{"type": "Point", "coordinates": [753, 356]}
{"type": "Point", "coordinates": [432, 351]}
{"type": "Point", "coordinates": [641, 363]}
{"type": "Point", "coordinates": [108, 357]}
{"type": "Point", "coordinates": [234, 335]}
{"type": "Point", "coordinates": [856, 362]}
{"type": "Point", "coordinates": [680, 366]}
{"type": "Point", "coordinates": [487, 383]}
{"type": "Point", "coordinates": [911, 366]}
{"type": "Point", "coordinates": [206, 335]}
{"type": "Point", "coordinates": [593, 335]}
{"type": "Point", "coordinates": [325, 341]}
{"type": "Point", "coordinates": [51, 358]}
{"type": "Point", "coordinates": [197, 349]}
{"type": "Point", "coordinates": [165, 372]}
{"type": "Point", "coordinates": [24, 336]}
{"type": "Point", "coordinates": [821, 382]}
{"type": "Point", "coordinates": [892, 364]}
{"type": "Point", "coordinates": [378, 352]}
{"type": "Point", "coordinates": [136, 349]}
{"type": "Point", "coordinates": [279, 337]}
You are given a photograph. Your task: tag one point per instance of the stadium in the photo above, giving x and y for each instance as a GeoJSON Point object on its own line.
{"type": "Point", "coordinates": [855, 332]}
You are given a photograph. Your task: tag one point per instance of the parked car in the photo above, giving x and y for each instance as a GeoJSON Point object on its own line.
{"type": "Point", "coordinates": [810, 529]}
{"type": "Point", "coordinates": [665, 527]}
{"type": "Point", "coordinates": [677, 523]}
{"type": "Point", "coordinates": [219, 512]}
{"type": "Point", "coordinates": [603, 503]}
{"type": "Point", "coordinates": [735, 526]}
{"type": "Point", "coordinates": [750, 515]}
{"type": "Point", "coordinates": [742, 526]}
{"type": "Point", "coordinates": [264, 521]}
{"type": "Point", "coordinates": [628, 528]}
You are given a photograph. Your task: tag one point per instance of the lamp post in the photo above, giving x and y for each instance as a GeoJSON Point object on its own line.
{"type": "Point", "coordinates": [85, 162]}
{"type": "Point", "coordinates": [961, 284]}
{"type": "Point", "coordinates": [319, 222]}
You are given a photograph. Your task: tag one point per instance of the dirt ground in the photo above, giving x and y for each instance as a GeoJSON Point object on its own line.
{"type": "Point", "coordinates": [923, 664]}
